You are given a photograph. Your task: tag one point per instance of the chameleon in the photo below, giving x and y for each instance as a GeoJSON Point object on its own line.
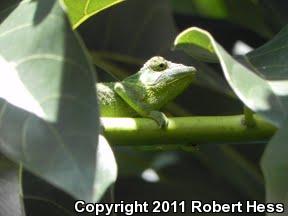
{"type": "Point", "coordinates": [144, 93]}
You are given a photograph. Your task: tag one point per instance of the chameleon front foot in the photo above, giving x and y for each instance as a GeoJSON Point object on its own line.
{"type": "Point", "coordinates": [160, 118]}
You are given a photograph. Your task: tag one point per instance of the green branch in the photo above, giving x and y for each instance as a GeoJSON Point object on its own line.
{"type": "Point", "coordinates": [186, 130]}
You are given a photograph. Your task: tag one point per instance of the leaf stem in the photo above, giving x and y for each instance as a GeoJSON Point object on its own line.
{"type": "Point", "coordinates": [186, 131]}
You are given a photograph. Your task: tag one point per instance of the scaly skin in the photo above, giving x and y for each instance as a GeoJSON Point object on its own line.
{"type": "Point", "coordinates": [111, 104]}
{"type": "Point", "coordinates": [158, 82]}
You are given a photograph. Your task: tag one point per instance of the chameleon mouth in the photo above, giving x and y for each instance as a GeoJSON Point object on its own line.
{"type": "Point", "coordinates": [177, 73]}
{"type": "Point", "coordinates": [184, 77]}
{"type": "Point", "coordinates": [181, 71]}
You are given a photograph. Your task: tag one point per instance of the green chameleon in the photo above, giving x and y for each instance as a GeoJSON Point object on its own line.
{"type": "Point", "coordinates": [144, 93]}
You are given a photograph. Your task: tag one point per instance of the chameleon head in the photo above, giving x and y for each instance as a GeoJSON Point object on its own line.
{"type": "Point", "coordinates": [160, 81]}
{"type": "Point", "coordinates": [157, 71]}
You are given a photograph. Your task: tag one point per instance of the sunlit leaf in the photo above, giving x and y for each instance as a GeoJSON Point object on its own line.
{"type": "Point", "coordinates": [261, 83]}
{"type": "Point", "coordinates": [49, 115]}
{"type": "Point", "coordinates": [106, 168]}
{"type": "Point", "coordinates": [79, 11]}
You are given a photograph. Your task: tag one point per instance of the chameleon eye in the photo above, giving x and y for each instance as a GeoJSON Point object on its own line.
{"type": "Point", "coordinates": [162, 65]}
{"type": "Point", "coordinates": [159, 66]}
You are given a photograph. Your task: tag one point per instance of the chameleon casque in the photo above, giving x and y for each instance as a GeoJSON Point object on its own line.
{"type": "Point", "coordinates": [144, 93]}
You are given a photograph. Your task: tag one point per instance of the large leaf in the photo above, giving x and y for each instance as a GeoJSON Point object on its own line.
{"type": "Point", "coordinates": [261, 83]}
{"type": "Point", "coordinates": [262, 86]}
{"type": "Point", "coordinates": [50, 123]}
{"type": "Point", "coordinates": [11, 203]}
{"type": "Point", "coordinates": [275, 167]}
{"type": "Point", "coordinates": [79, 11]}
{"type": "Point", "coordinates": [40, 196]}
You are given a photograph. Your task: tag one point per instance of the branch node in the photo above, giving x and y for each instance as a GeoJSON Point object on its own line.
{"type": "Point", "coordinates": [248, 118]}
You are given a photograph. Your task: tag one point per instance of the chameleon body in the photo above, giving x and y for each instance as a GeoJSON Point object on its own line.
{"type": "Point", "coordinates": [143, 94]}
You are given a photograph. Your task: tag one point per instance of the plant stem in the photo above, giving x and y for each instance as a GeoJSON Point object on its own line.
{"type": "Point", "coordinates": [113, 70]}
{"type": "Point", "coordinates": [185, 131]}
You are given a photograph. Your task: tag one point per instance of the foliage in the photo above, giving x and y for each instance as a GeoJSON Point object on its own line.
{"type": "Point", "coordinates": [260, 81]}
{"type": "Point", "coordinates": [49, 115]}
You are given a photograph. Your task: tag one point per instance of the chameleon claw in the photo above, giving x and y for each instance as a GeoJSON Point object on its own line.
{"type": "Point", "coordinates": [160, 118]}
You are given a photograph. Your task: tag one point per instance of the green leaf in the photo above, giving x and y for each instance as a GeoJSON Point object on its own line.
{"type": "Point", "coordinates": [57, 201]}
{"type": "Point", "coordinates": [261, 83]}
{"type": "Point", "coordinates": [50, 123]}
{"type": "Point", "coordinates": [275, 167]}
{"type": "Point", "coordinates": [39, 196]}
{"type": "Point", "coordinates": [106, 168]}
{"type": "Point", "coordinates": [11, 203]}
{"type": "Point", "coordinates": [228, 10]}
{"type": "Point", "coordinates": [79, 11]}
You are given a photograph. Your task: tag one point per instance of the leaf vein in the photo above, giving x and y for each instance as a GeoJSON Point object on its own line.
{"type": "Point", "coordinates": [86, 7]}
{"type": "Point", "coordinates": [50, 57]}
{"type": "Point", "coordinates": [17, 28]}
